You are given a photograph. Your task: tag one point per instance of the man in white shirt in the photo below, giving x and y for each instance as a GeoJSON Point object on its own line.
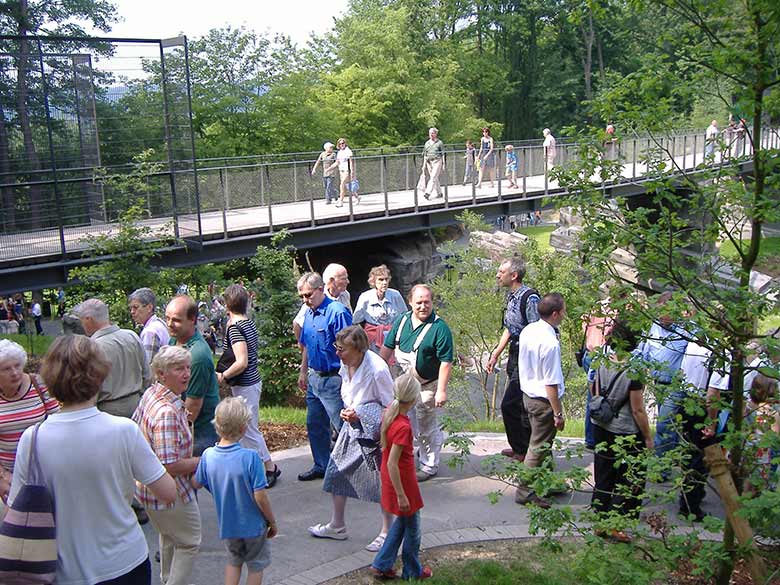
{"type": "Point", "coordinates": [541, 380]}
{"type": "Point", "coordinates": [36, 313]}
{"type": "Point", "coordinates": [550, 149]}
{"type": "Point", "coordinates": [710, 136]}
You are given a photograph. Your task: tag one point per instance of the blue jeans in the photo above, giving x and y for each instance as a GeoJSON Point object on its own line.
{"type": "Point", "coordinates": [323, 409]}
{"type": "Point", "coordinates": [666, 437]}
{"type": "Point", "coordinates": [330, 188]}
{"type": "Point", "coordinates": [406, 529]}
{"type": "Point", "coordinates": [590, 440]}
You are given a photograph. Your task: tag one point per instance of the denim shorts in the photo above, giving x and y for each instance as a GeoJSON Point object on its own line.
{"type": "Point", "coordinates": [255, 552]}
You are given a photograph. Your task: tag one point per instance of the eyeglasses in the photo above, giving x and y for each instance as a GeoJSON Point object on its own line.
{"type": "Point", "coordinates": [339, 348]}
{"type": "Point", "coordinates": [307, 295]}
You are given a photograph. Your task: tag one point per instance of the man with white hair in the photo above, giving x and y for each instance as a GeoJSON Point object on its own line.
{"type": "Point", "coordinates": [130, 374]}
{"type": "Point", "coordinates": [710, 137]}
{"type": "Point", "coordinates": [154, 335]}
{"type": "Point", "coordinates": [329, 169]}
{"type": "Point", "coordinates": [550, 149]}
{"type": "Point", "coordinates": [336, 280]}
{"type": "Point", "coordinates": [433, 163]}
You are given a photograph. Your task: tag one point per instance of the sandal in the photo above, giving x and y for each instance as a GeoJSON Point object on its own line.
{"type": "Point", "coordinates": [272, 476]}
{"type": "Point", "coordinates": [376, 544]}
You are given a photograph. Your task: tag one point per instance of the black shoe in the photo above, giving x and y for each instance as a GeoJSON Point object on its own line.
{"type": "Point", "coordinates": [310, 475]}
{"type": "Point", "coordinates": [272, 476]}
{"type": "Point", "coordinates": [141, 516]}
{"type": "Point", "coordinates": [157, 557]}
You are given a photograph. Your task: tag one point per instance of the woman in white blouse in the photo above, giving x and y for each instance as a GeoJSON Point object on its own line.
{"type": "Point", "coordinates": [353, 470]}
{"type": "Point", "coordinates": [378, 307]}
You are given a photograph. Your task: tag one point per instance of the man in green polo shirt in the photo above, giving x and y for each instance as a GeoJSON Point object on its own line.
{"type": "Point", "coordinates": [421, 343]}
{"type": "Point", "coordinates": [433, 164]}
{"type": "Point", "coordinates": [202, 394]}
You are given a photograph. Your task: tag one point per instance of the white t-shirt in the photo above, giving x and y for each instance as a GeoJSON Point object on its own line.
{"type": "Point", "coordinates": [694, 365]}
{"type": "Point", "coordinates": [372, 382]}
{"type": "Point", "coordinates": [343, 157]}
{"type": "Point", "coordinates": [711, 132]}
{"type": "Point", "coordinates": [90, 461]}
{"type": "Point", "coordinates": [36, 309]}
{"type": "Point", "coordinates": [720, 380]}
{"type": "Point", "coordinates": [539, 360]}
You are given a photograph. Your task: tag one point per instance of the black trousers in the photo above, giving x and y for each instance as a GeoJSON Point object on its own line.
{"type": "Point", "coordinates": [516, 423]}
{"type": "Point", "coordinates": [141, 575]}
{"type": "Point", "coordinates": [614, 490]}
{"type": "Point", "coordinates": [696, 472]}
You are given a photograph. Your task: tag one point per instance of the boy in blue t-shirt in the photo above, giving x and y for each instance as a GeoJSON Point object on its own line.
{"type": "Point", "coordinates": [235, 477]}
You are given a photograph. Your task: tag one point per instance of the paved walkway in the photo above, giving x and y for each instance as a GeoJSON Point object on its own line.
{"type": "Point", "coordinates": [456, 510]}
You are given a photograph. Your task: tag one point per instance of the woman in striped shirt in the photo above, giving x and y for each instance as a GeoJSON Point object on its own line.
{"type": "Point", "coordinates": [23, 402]}
{"type": "Point", "coordinates": [242, 374]}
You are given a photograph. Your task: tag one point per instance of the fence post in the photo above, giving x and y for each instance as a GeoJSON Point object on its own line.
{"type": "Point", "coordinates": [498, 173]}
{"type": "Point", "coordinates": [685, 152]}
{"type": "Point", "coordinates": [524, 152]}
{"type": "Point", "coordinates": [446, 181]}
{"type": "Point", "coordinates": [633, 172]}
{"type": "Point", "coordinates": [416, 195]}
{"type": "Point", "coordinates": [546, 170]}
{"type": "Point", "coordinates": [311, 207]}
{"type": "Point", "coordinates": [695, 136]}
{"type": "Point", "coordinates": [383, 181]}
{"type": "Point", "coordinates": [406, 171]}
{"type": "Point", "coordinates": [295, 181]}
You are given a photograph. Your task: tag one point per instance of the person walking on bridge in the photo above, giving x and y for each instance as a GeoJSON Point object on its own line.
{"type": "Point", "coordinates": [327, 158]}
{"type": "Point", "coordinates": [346, 166]}
{"type": "Point", "coordinates": [433, 163]}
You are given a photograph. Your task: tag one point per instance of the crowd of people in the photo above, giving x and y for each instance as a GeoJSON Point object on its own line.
{"type": "Point", "coordinates": [126, 428]}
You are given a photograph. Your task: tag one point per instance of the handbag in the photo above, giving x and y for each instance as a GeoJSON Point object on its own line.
{"type": "Point", "coordinates": [28, 537]}
{"type": "Point", "coordinates": [601, 410]}
{"type": "Point", "coordinates": [227, 359]}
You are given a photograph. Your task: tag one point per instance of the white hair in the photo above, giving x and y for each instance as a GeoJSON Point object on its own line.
{"type": "Point", "coordinates": [546, 131]}
{"type": "Point", "coordinates": [331, 270]}
{"type": "Point", "coordinates": [10, 351]}
{"type": "Point", "coordinates": [145, 296]}
{"type": "Point", "coordinates": [93, 308]}
{"type": "Point", "coordinates": [327, 145]}
{"type": "Point", "coordinates": [313, 279]}
{"type": "Point", "coordinates": [169, 355]}
{"type": "Point", "coordinates": [433, 130]}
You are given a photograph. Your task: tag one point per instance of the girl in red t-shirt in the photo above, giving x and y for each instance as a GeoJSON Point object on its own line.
{"type": "Point", "coordinates": [400, 490]}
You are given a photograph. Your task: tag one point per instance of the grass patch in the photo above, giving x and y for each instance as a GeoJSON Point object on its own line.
{"type": "Point", "coordinates": [286, 415]}
{"type": "Point", "coordinates": [36, 345]}
{"type": "Point", "coordinates": [575, 428]}
{"type": "Point", "coordinates": [768, 256]}
{"type": "Point", "coordinates": [769, 324]}
{"type": "Point", "coordinates": [539, 233]}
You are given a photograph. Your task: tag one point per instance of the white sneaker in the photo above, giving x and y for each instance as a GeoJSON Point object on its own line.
{"type": "Point", "coordinates": [325, 531]}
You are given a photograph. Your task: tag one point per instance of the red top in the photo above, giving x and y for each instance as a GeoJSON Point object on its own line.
{"type": "Point", "coordinates": [400, 433]}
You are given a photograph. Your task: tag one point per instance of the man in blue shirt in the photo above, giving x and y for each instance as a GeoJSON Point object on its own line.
{"type": "Point", "coordinates": [319, 374]}
{"type": "Point", "coordinates": [662, 351]}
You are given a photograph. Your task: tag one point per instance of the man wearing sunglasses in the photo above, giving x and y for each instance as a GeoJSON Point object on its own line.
{"type": "Point", "coordinates": [319, 374]}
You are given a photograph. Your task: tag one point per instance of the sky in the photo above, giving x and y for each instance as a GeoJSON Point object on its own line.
{"type": "Point", "coordinates": [168, 18]}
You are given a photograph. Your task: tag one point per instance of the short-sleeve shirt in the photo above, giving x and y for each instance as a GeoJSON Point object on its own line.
{"type": "Point", "coordinates": [245, 330]}
{"type": "Point", "coordinates": [344, 155]}
{"type": "Point", "coordinates": [375, 312]}
{"type": "Point", "coordinates": [433, 150]}
{"type": "Point", "coordinates": [17, 415]}
{"type": "Point", "coordinates": [203, 381]}
{"type": "Point", "coordinates": [163, 422]}
{"type": "Point", "coordinates": [232, 475]}
{"type": "Point", "coordinates": [318, 334]}
{"type": "Point", "coordinates": [90, 462]}
{"type": "Point", "coordinates": [400, 433]}
{"type": "Point", "coordinates": [539, 360]}
{"type": "Point", "coordinates": [327, 160]}
{"type": "Point", "coordinates": [663, 349]}
{"type": "Point", "coordinates": [436, 348]}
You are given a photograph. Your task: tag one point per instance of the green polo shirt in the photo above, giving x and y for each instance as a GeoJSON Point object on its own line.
{"type": "Point", "coordinates": [203, 380]}
{"type": "Point", "coordinates": [437, 347]}
{"type": "Point", "coordinates": [433, 149]}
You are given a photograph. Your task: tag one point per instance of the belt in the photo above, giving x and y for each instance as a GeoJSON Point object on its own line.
{"type": "Point", "coordinates": [328, 374]}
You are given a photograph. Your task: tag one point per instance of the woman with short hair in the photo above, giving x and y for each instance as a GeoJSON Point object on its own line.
{"type": "Point", "coordinates": [353, 468]}
{"type": "Point", "coordinates": [242, 374]}
{"type": "Point", "coordinates": [378, 307]}
{"type": "Point", "coordinates": [90, 461]}
{"type": "Point", "coordinates": [24, 401]}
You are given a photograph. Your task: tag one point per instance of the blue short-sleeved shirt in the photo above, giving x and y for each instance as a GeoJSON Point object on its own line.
{"type": "Point", "coordinates": [318, 334]}
{"type": "Point", "coordinates": [232, 475]}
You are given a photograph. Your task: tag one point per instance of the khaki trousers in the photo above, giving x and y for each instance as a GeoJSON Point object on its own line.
{"type": "Point", "coordinates": [428, 433]}
{"type": "Point", "coordinates": [179, 530]}
{"type": "Point", "coordinates": [543, 431]}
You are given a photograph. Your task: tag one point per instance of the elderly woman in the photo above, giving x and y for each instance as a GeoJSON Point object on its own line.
{"type": "Point", "coordinates": [353, 470]}
{"type": "Point", "coordinates": [24, 401]}
{"type": "Point", "coordinates": [90, 461]}
{"type": "Point", "coordinates": [625, 395]}
{"type": "Point", "coordinates": [378, 307]}
{"type": "Point", "coordinates": [163, 422]}
{"type": "Point", "coordinates": [242, 375]}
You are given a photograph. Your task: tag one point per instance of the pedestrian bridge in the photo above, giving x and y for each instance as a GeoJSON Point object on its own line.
{"type": "Point", "coordinates": [222, 209]}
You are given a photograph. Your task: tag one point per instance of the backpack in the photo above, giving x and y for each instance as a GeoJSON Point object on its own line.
{"type": "Point", "coordinates": [523, 306]}
{"type": "Point", "coordinates": [601, 409]}
{"type": "Point", "coordinates": [28, 537]}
